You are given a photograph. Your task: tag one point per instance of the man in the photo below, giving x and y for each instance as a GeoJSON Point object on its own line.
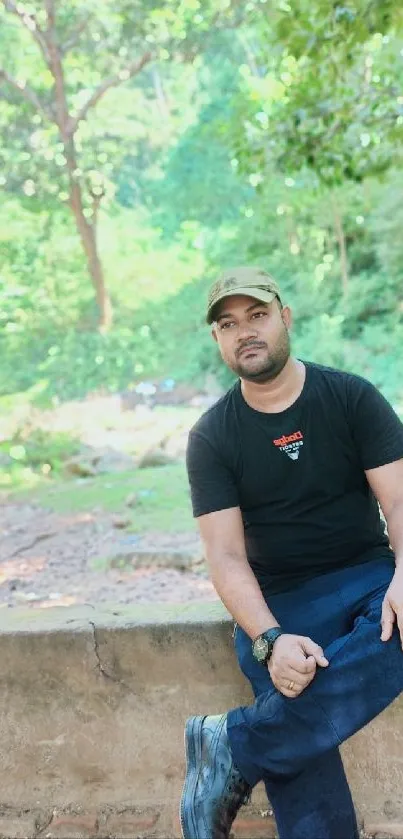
{"type": "Point", "coordinates": [285, 472]}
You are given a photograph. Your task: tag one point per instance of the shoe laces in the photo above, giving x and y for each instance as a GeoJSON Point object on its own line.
{"type": "Point", "coordinates": [237, 793]}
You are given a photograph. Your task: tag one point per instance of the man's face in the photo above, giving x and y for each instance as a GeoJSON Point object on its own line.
{"type": "Point", "coordinates": [252, 336]}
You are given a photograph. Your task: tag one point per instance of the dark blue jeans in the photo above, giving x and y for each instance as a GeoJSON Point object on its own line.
{"type": "Point", "coordinates": [292, 744]}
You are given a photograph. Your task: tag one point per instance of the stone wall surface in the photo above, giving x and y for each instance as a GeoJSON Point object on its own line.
{"type": "Point", "coordinates": [93, 704]}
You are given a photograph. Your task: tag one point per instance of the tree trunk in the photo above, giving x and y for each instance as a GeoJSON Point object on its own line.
{"type": "Point", "coordinates": [57, 111]}
{"type": "Point", "coordinates": [86, 230]}
{"type": "Point", "coordinates": [87, 233]}
{"type": "Point", "coordinates": [341, 239]}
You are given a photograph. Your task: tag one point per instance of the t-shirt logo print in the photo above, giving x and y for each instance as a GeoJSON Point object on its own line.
{"type": "Point", "coordinates": [290, 444]}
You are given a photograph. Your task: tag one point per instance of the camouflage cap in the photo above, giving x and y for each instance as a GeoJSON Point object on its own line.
{"type": "Point", "coordinates": [253, 282]}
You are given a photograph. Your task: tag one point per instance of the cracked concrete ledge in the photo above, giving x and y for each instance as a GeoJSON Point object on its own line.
{"type": "Point", "coordinates": [109, 615]}
{"type": "Point", "coordinates": [101, 668]}
{"type": "Point", "coordinates": [96, 651]}
{"type": "Point", "coordinates": [92, 707]}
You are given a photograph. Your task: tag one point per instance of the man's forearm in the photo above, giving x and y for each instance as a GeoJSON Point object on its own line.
{"type": "Point", "coordinates": [394, 522]}
{"type": "Point", "coordinates": [239, 590]}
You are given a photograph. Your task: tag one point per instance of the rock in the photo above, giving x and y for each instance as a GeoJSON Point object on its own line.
{"type": "Point", "coordinates": [130, 400]}
{"type": "Point", "coordinates": [27, 596]}
{"type": "Point", "coordinates": [120, 522]}
{"type": "Point", "coordinates": [141, 558]}
{"type": "Point", "coordinates": [146, 388]}
{"type": "Point", "coordinates": [181, 394]}
{"type": "Point", "coordinates": [90, 462]}
{"type": "Point", "coordinates": [111, 461]}
{"type": "Point", "coordinates": [142, 394]}
{"type": "Point", "coordinates": [132, 500]}
{"type": "Point", "coordinates": [166, 392]}
{"type": "Point", "coordinates": [78, 466]}
{"type": "Point", "coordinates": [155, 457]}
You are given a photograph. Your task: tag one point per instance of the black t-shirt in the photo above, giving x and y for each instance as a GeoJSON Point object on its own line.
{"type": "Point", "coordinates": [298, 475]}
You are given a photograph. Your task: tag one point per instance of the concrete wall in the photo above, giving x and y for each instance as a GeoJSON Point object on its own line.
{"type": "Point", "coordinates": [93, 704]}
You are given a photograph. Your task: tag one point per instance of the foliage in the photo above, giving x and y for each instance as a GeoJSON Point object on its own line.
{"type": "Point", "coordinates": [327, 96]}
{"type": "Point", "coordinates": [54, 145]}
{"type": "Point", "coordinates": [247, 146]}
{"type": "Point", "coordinates": [98, 43]}
{"type": "Point", "coordinates": [32, 455]}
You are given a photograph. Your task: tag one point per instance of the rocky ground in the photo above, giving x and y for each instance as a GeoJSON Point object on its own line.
{"type": "Point", "coordinates": [50, 558]}
{"type": "Point", "coordinates": [47, 559]}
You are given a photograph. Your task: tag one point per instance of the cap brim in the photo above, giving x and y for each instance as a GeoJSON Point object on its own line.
{"type": "Point", "coordinates": [258, 294]}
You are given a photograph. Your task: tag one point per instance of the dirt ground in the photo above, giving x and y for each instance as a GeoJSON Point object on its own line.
{"type": "Point", "coordinates": [48, 559]}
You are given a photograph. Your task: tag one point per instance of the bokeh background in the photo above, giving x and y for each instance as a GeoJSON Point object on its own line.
{"type": "Point", "coordinates": [145, 146]}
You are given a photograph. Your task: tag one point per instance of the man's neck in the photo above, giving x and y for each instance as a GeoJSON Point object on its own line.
{"type": "Point", "coordinates": [279, 393]}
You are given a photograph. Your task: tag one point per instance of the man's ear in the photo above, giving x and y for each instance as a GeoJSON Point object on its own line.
{"type": "Point", "coordinates": [214, 334]}
{"type": "Point", "coordinates": [286, 316]}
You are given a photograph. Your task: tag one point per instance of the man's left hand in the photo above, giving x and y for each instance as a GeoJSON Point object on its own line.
{"type": "Point", "coordinates": [392, 607]}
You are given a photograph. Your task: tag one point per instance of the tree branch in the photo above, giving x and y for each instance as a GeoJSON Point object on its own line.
{"type": "Point", "coordinates": [74, 37]}
{"type": "Point", "coordinates": [97, 196]}
{"type": "Point", "coordinates": [28, 94]}
{"type": "Point", "coordinates": [62, 115]}
{"type": "Point", "coordinates": [113, 81]}
{"type": "Point", "coordinates": [50, 11]}
{"type": "Point", "coordinates": [29, 21]}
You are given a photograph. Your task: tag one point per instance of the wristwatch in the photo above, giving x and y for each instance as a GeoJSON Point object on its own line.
{"type": "Point", "coordinates": [262, 646]}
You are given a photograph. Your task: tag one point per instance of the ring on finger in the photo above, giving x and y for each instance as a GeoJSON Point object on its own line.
{"type": "Point", "coordinates": [290, 686]}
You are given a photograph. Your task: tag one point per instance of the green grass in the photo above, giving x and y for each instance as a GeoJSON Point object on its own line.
{"type": "Point", "coordinates": [17, 478]}
{"type": "Point", "coordinates": [162, 497]}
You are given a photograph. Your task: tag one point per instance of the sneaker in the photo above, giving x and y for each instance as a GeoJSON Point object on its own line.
{"type": "Point", "coordinates": [214, 790]}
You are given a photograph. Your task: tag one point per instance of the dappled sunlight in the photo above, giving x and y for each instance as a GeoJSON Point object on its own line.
{"type": "Point", "coordinates": [91, 557]}
{"type": "Point", "coordinates": [23, 569]}
{"type": "Point", "coordinates": [78, 518]}
{"type": "Point", "coordinates": [57, 600]}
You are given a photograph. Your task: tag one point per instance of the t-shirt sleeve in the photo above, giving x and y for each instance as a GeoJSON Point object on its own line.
{"type": "Point", "coordinates": [212, 484]}
{"type": "Point", "coordinates": [377, 429]}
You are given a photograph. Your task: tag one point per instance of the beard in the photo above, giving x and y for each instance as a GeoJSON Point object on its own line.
{"type": "Point", "coordinates": [265, 366]}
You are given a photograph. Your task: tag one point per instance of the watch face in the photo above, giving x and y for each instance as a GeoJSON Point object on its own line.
{"type": "Point", "coordinates": [260, 648]}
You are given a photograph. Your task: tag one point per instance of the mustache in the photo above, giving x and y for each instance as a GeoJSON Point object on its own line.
{"type": "Point", "coordinates": [249, 345]}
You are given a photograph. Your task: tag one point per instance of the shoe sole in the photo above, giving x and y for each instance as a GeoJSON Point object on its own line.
{"type": "Point", "coordinates": [193, 749]}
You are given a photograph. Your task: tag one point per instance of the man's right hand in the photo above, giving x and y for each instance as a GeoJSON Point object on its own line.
{"type": "Point", "coordinates": [293, 663]}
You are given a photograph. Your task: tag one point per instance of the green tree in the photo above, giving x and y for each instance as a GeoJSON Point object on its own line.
{"type": "Point", "coordinates": [54, 145]}
{"type": "Point", "coordinates": [324, 95]}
